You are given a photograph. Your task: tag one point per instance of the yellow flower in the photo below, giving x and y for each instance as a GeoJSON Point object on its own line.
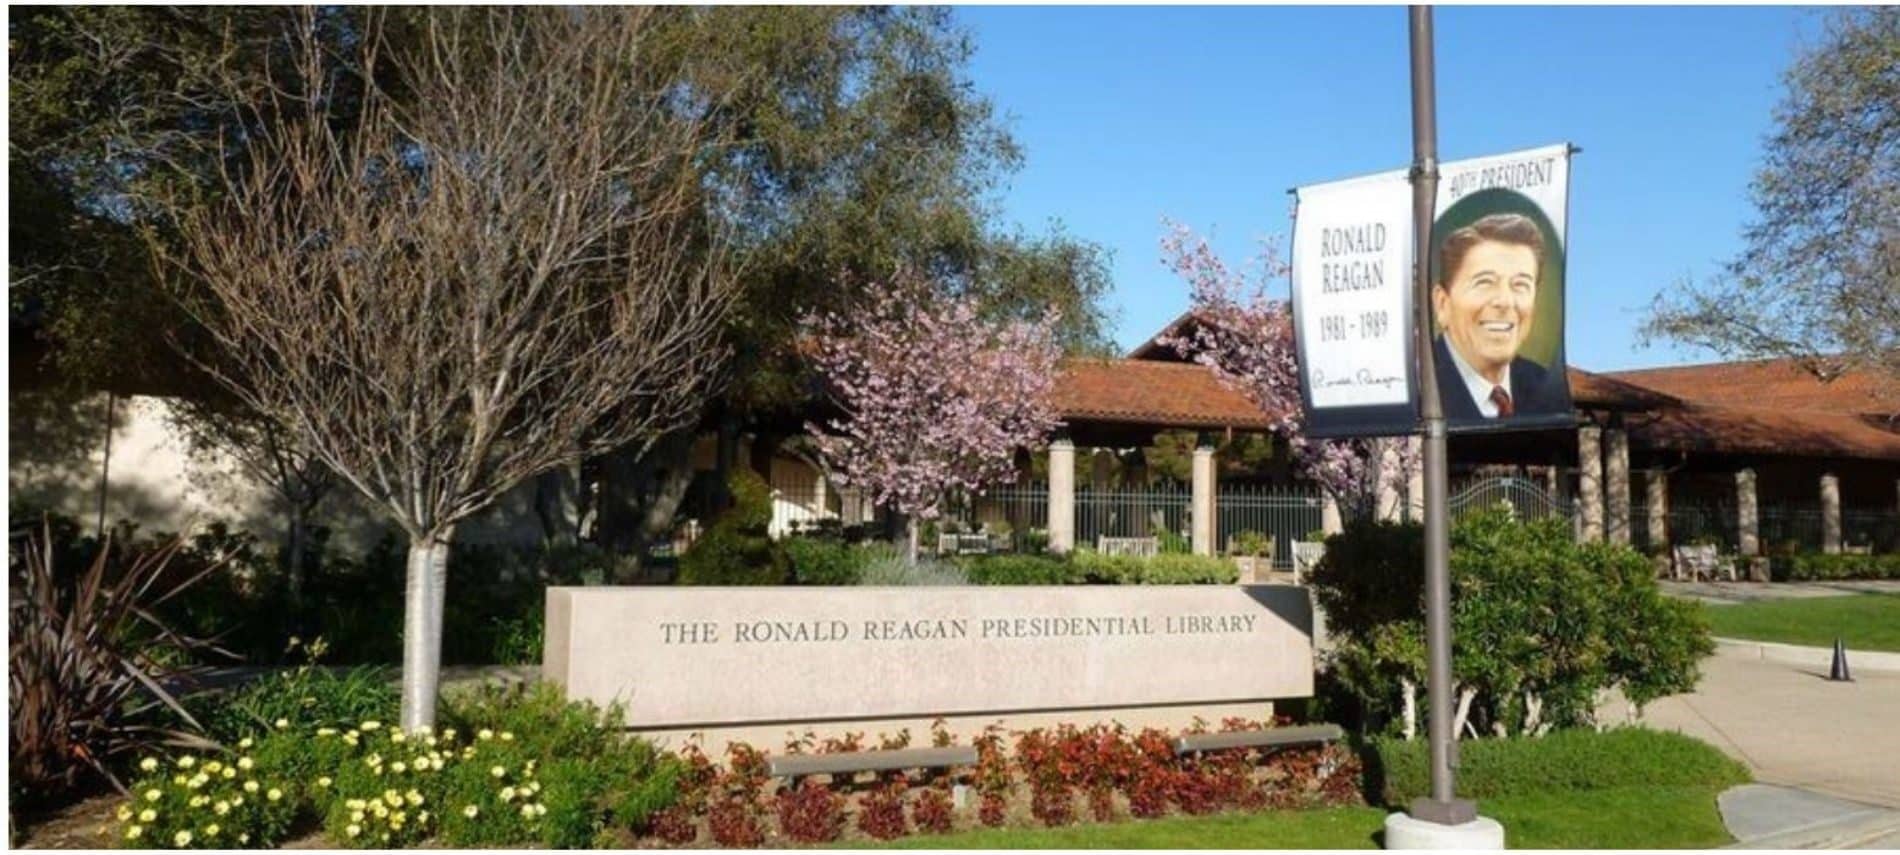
{"type": "Point", "coordinates": [507, 794]}
{"type": "Point", "coordinates": [471, 811]}
{"type": "Point", "coordinates": [392, 797]}
{"type": "Point", "coordinates": [229, 773]}
{"type": "Point", "coordinates": [353, 830]}
{"type": "Point", "coordinates": [282, 723]}
{"type": "Point", "coordinates": [354, 804]}
{"type": "Point", "coordinates": [221, 808]}
{"type": "Point", "coordinates": [181, 839]}
{"type": "Point", "coordinates": [326, 731]}
{"type": "Point", "coordinates": [152, 795]}
{"type": "Point", "coordinates": [497, 771]}
{"type": "Point", "coordinates": [133, 832]}
{"type": "Point", "coordinates": [250, 786]}
{"type": "Point", "coordinates": [398, 767]}
{"type": "Point", "coordinates": [413, 798]}
{"type": "Point", "coordinates": [484, 733]}
{"type": "Point", "coordinates": [527, 811]}
{"type": "Point", "coordinates": [274, 794]}
{"type": "Point", "coordinates": [125, 812]}
{"type": "Point", "coordinates": [396, 736]}
{"type": "Point", "coordinates": [244, 838]}
{"type": "Point", "coordinates": [372, 725]}
{"type": "Point", "coordinates": [397, 819]}
{"type": "Point", "coordinates": [356, 816]}
{"type": "Point", "coordinates": [211, 830]}
{"type": "Point", "coordinates": [541, 809]}
{"type": "Point", "coordinates": [148, 815]}
{"type": "Point", "coordinates": [212, 767]}
{"type": "Point", "coordinates": [245, 763]}
{"type": "Point", "coordinates": [178, 779]}
{"type": "Point", "coordinates": [200, 801]}
{"type": "Point", "coordinates": [323, 781]}
{"type": "Point", "coordinates": [245, 742]}
{"type": "Point", "coordinates": [148, 764]}
{"type": "Point", "coordinates": [198, 780]}
{"type": "Point", "coordinates": [237, 801]}
{"type": "Point", "coordinates": [187, 761]}
{"type": "Point", "coordinates": [422, 816]}
{"type": "Point", "coordinates": [507, 737]}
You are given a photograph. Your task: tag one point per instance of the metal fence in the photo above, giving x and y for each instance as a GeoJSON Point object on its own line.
{"type": "Point", "coordinates": [1282, 513]}
{"type": "Point", "coordinates": [1018, 513]}
{"type": "Point", "coordinates": [1526, 499]}
{"type": "Point", "coordinates": [1163, 512]}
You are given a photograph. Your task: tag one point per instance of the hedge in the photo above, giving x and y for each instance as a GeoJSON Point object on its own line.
{"type": "Point", "coordinates": [1564, 760]}
{"type": "Point", "coordinates": [1816, 566]}
{"type": "Point", "coordinates": [1085, 567]}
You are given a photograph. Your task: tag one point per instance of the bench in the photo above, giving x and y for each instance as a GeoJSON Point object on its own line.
{"type": "Point", "coordinates": [1703, 562]}
{"type": "Point", "coordinates": [1306, 553]}
{"type": "Point", "coordinates": [1144, 547]}
{"type": "Point", "coordinates": [794, 766]}
{"type": "Point", "coordinates": [1272, 737]}
{"type": "Point", "coordinates": [964, 544]}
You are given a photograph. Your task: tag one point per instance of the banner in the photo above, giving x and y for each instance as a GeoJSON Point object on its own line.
{"type": "Point", "coordinates": [1496, 266]}
{"type": "Point", "coordinates": [1352, 306]}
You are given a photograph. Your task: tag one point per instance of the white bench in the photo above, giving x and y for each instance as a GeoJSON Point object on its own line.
{"type": "Point", "coordinates": [1145, 547]}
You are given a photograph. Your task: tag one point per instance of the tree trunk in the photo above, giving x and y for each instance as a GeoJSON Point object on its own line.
{"type": "Point", "coordinates": [422, 629]}
{"type": "Point", "coordinates": [916, 532]}
{"type": "Point", "coordinates": [295, 536]}
{"type": "Point", "coordinates": [1462, 721]}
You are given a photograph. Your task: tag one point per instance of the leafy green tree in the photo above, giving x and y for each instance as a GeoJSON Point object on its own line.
{"type": "Point", "coordinates": [1818, 278]}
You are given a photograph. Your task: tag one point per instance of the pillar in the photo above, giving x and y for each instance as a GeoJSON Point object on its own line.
{"type": "Point", "coordinates": [1658, 485]}
{"type": "Point", "coordinates": [1061, 496]}
{"type": "Point", "coordinates": [1415, 480]}
{"type": "Point", "coordinates": [1747, 518]}
{"type": "Point", "coordinates": [1389, 477]}
{"type": "Point", "coordinates": [1203, 508]}
{"type": "Point", "coordinates": [1831, 513]}
{"type": "Point", "coordinates": [1616, 484]}
{"type": "Point", "coordinates": [1590, 481]}
{"type": "Point", "coordinates": [1329, 520]}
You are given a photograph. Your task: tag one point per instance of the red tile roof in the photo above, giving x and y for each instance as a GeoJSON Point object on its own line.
{"type": "Point", "coordinates": [1774, 383]}
{"type": "Point", "coordinates": [1146, 392]}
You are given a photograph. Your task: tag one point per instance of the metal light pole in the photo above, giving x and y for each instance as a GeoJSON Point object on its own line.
{"type": "Point", "coordinates": [1441, 807]}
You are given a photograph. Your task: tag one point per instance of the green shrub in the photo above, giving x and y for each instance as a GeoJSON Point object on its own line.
{"type": "Point", "coordinates": [1562, 761]}
{"type": "Point", "coordinates": [1171, 543]}
{"type": "Point", "coordinates": [1019, 570]}
{"type": "Point", "coordinates": [619, 779]}
{"type": "Point", "coordinates": [1816, 566]}
{"type": "Point", "coordinates": [1164, 569]}
{"type": "Point", "coordinates": [518, 640]}
{"type": "Point", "coordinates": [305, 697]}
{"type": "Point", "coordinates": [824, 561]}
{"type": "Point", "coordinates": [1251, 543]}
{"type": "Point", "coordinates": [1543, 623]}
{"type": "Point", "coordinates": [736, 550]}
{"type": "Point", "coordinates": [207, 802]}
{"type": "Point", "coordinates": [892, 568]}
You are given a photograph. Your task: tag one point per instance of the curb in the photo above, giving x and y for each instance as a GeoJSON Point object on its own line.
{"type": "Point", "coordinates": [1812, 657]}
{"type": "Point", "coordinates": [1848, 832]}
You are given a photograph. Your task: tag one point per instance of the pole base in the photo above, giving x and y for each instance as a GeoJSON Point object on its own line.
{"type": "Point", "coordinates": [1404, 831]}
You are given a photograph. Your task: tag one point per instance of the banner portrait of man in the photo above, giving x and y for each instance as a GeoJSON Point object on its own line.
{"type": "Point", "coordinates": [1497, 313]}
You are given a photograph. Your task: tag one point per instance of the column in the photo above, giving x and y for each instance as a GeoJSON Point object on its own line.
{"type": "Point", "coordinates": [1061, 495]}
{"type": "Point", "coordinates": [1747, 519]}
{"type": "Point", "coordinates": [1590, 481]}
{"type": "Point", "coordinates": [1203, 508]}
{"type": "Point", "coordinates": [1831, 513]}
{"type": "Point", "coordinates": [1658, 485]}
{"type": "Point", "coordinates": [1101, 469]}
{"type": "Point", "coordinates": [1329, 520]}
{"type": "Point", "coordinates": [1616, 483]}
{"type": "Point", "coordinates": [1390, 476]}
{"type": "Point", "coordinates": [1415, 480]}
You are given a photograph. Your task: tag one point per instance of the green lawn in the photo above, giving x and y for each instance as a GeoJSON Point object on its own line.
{"type": "Point", "coordinates": [1620, 818]}
{"type": "Point", "coordinates": [1863, 621]}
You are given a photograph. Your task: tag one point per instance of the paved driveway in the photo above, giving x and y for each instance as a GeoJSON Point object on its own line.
{"type": "Point", "coordinates": [1793, 727]}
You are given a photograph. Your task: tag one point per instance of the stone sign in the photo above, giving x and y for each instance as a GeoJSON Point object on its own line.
{"type": "Point", "coordinates": [691, 657]}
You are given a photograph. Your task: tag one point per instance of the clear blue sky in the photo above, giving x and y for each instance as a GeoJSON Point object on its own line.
{"type": "Point", "coordinates": [1208, 115]}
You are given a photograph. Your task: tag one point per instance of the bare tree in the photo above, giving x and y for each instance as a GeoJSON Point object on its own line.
{"type": "Point", "coordinates": [512, 266]}
{"type": "Point", "coordinates": [1818, 277]}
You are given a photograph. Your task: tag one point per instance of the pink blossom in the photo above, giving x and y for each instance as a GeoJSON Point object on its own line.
{"type": "Point", "coordinates": [1246, 338]}
{"type": "Point", "coordinates": [936, 397]}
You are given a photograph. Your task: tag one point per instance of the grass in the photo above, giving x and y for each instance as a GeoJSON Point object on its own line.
{"type": "Point", "coordinates": [1862, 621]}
{"type": "Point", "coordinates": [1682, 817]}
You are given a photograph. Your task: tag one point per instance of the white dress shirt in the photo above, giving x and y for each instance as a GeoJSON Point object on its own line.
{"type": "Point", "coordinates": [1480, 387]}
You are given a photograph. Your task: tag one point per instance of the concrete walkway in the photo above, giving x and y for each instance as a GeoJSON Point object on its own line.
{"type": "Point", "coordinates": [1830, 751]}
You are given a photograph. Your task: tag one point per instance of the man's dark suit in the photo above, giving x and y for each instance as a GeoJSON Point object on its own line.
{"type": "Point", "coordinates": [1532, 391]}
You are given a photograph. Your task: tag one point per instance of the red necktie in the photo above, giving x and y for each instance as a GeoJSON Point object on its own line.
{"type": "Point", "coordinates": [1503, 400]}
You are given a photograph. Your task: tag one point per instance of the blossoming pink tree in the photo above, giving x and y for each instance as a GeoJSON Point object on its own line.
{"type": "Point", "coordinates": [1246, 338]}
{"type": "Point", "coordinates": [935, 398]}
